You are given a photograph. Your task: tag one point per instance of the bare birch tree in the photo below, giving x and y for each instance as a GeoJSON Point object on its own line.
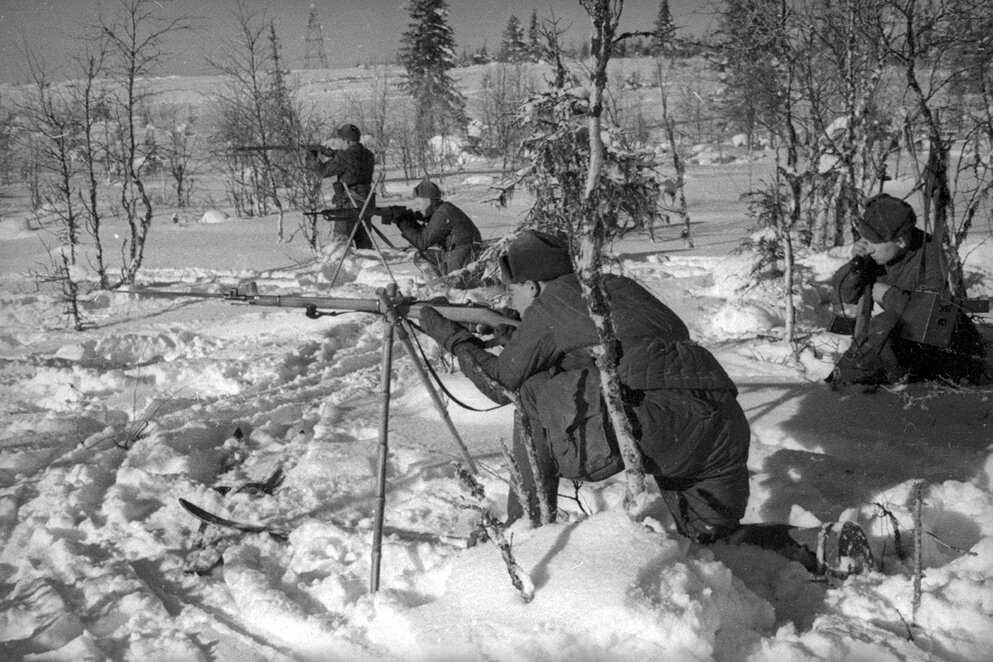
{"type": "Point", "coordinates": [134, 41]}
{"type": "Point", "coordinates": [51, 115]}
{"type": "Point", "coordinates": [92, 104]}
{"type": "Point", "coordinates": [605, 15]}
{"type": "Point", "coordinates": [584, 186]}
{"type": "Point", "coordinates": [939, 45]}
{"type": "Point", "coordinates": [260, 124]}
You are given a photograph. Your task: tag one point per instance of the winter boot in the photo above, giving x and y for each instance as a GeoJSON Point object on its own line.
{"type": "Point", "coordinates": [845, 552]}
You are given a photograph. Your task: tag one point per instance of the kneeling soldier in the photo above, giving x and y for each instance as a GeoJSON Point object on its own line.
{"type": "Point", "coordinates": [438, 223]}
{"type": "Point", "coordinates": [898, 268]}
{"type": "Point", "coordinates": [689, 427]}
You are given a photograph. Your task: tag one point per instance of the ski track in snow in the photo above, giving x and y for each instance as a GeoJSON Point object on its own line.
{"type": "Point", "coordinates": [104, 432]}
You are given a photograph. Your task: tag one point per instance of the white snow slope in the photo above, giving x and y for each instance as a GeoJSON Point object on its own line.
{"type": "Point", "coordinates": [105, 430]}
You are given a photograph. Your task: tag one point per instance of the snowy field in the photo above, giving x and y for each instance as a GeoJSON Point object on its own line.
{"type": "Point", "coordinates": [104, 431]}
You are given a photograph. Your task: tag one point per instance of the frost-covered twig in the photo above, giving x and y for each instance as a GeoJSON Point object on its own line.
{"type": "Point", "coordinates": [494, 528]}
{"type": "Point", "coordinates": [949, 547]}
{"type": "Point", "coordinates": [897, 540]}
{"type": "Point", "coordinates": [918, 546]}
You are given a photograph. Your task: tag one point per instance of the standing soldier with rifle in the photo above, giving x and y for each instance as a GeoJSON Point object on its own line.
{"type": "Point", "coordinates": [438, 223]}
{"type": "Point", "coordinates": [353, 166]}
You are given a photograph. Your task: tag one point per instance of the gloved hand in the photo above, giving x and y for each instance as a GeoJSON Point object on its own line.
{"type": "Point", "coordinates": [862, 272]}
{"type": "Point", "coordinates": [408, 219]}
{"type": "Point", "coordinates": [444, 331]}
{"type": "Point", "coordinates": [501, 333]}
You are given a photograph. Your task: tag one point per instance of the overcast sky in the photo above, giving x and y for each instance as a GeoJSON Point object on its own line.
{"type": "Point", "coordinates": [355, 31]}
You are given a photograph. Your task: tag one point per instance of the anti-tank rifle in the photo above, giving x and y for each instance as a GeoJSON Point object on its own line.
{"type": "Point", "coordinates": [393, 309]}
{"type": "Point", "coordinates": [388, 215]}
{"type": "Point", "coordinates": [314, 307]}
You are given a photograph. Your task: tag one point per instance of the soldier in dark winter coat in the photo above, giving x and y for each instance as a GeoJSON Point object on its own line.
{"type": "Point", "coordinates": [353, 167]}
{"type": "Point", "coordinates": [691, 431]}
{"type": "Point", "coordinates": [687, 422]}
{"type": "Point", "coordinates": [439, 223]}
{"type": "Point", "coordinates": [899, 268]}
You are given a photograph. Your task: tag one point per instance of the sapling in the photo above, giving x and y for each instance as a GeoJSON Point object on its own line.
{"type": "Point", "coordinates": [494, 529]}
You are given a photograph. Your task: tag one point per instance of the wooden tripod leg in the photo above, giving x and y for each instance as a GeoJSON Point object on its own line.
{"type": "Point", "coordinates": [404, 335]}
{"type": "Point", "coordinates": [403, 332]}
{"type": "Point", "coordinates": [384, 431]}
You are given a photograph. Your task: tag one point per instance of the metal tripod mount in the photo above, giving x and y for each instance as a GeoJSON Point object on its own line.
{"type": "Point", "coordinates": [396, 324]}
{"type": "Point", "coordinates": [367, 225]}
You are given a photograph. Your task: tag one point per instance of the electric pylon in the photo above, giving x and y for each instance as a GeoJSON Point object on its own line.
{"type": "Point", "coordinates": [315, 56]}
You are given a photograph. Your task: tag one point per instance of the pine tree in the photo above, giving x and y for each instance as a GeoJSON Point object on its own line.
{"type": "Point", "coordinates": [427, 52]}
{"type": "Point", "coordinates": [534, 37]}
{"type": "Point", "coordinates": [513, 48]}
{"type": "Point", "coordinates": [664, 33]}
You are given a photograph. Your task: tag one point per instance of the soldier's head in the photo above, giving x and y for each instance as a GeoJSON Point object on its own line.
{"type": "Point", "coordinates": [533, 259]}
{"type": "Point", "coordinates": [349, 133]}
{"type": "Point", "coordinates": [426, 193]}
{"type": "Point", "coordinates": [886, 227]}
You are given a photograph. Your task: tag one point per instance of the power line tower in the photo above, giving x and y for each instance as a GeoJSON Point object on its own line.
{"type": "Point", "coordinates": [315, 56]}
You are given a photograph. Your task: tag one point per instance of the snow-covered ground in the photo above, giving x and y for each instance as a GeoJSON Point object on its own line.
{"type": "Point", "coordinates": [104, 431]}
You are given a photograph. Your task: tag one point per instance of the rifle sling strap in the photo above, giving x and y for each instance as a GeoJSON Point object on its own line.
{"type": "Point", "coordinates": [437, 379]}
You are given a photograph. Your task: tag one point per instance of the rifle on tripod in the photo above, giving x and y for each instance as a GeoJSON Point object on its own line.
{"type": "Point", "coordinates": [315, 307]}
{"type": "Point", "coordinates": [395, 312]}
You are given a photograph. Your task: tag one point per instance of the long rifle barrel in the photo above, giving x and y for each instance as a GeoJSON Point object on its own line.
{"type": "Point", "coordinates": [464, 313]}
{"type": "Point", "coordinates": [302, 147]}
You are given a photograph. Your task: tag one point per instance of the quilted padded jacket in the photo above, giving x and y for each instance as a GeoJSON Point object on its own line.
{"type": "Point", "coordinates": [686, 418]}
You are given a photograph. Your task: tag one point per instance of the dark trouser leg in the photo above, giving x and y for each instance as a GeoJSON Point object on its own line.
{"type": "Point", "coordinates": [354, 198]}
{"type": "Point", "coordinates": [361, 239]}
{"type": "Point", "coordinates": [836, 549]}
{"type": "Point", "coordinates": [795, 544]}
{"type": "Point", "coordinates": [548, 475]}
{"type": "Point", "coordinates": [709, 509]}
{"type": "Point", "coordinates": [870, 359]}
{"type": "Point", "coordinates": [962, 359]}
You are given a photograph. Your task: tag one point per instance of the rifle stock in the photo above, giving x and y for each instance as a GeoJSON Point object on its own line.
{"type": "Point", "coordinates": [463, 313]}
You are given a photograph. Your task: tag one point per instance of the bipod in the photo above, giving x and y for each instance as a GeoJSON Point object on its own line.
{"type": "Point", "coordinates": [367, 222]}
{"type": "Point", "coordinates": [367, 225]}
{"type": "Point", "coordinates": [400, 326]}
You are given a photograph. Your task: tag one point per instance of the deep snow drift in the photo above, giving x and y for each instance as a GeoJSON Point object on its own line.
{"type": "Point", "coordinates": [103, 431]}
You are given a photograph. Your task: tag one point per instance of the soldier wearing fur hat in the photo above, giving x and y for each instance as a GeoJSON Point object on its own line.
{"type": "Point", "coordinates": [895, 268]}
{"type": "Point", "coordinates": [692, 433]}
{"type": "Point", "coordinates": [689, 426]}
{"type": "Point", "coordinates": [353, 167]}
{"type": "Point", "coordinates": [439, 224]}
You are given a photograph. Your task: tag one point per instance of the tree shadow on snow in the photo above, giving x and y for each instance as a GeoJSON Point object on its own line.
{"type": "Point", "coordinates": [837, 450]}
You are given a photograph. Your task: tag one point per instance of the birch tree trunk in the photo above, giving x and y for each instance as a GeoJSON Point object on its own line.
{"type": "Point", "coordinates": [605, 16]}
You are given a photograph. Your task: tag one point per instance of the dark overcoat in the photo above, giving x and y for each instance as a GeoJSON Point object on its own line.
{"type": "Point", "coordinates": [449, 229]}
{"type": "Point", "coordinates": [919, 269]}
{"type": "Point", "coordinates": [683, 406]}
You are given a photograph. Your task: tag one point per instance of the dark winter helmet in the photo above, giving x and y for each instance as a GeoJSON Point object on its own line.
{"type": "Point", "coordinates": [427, 189]}
{"type": "Point", "coordinates": [886, 219]}
{"type": "Point", "coordinates": [349, 132]}
{"type": "Point", "coordinates": [535, 255]}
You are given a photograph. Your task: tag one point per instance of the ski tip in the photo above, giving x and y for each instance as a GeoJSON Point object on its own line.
{"type": "Point", "coordinates": [190, 507]}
